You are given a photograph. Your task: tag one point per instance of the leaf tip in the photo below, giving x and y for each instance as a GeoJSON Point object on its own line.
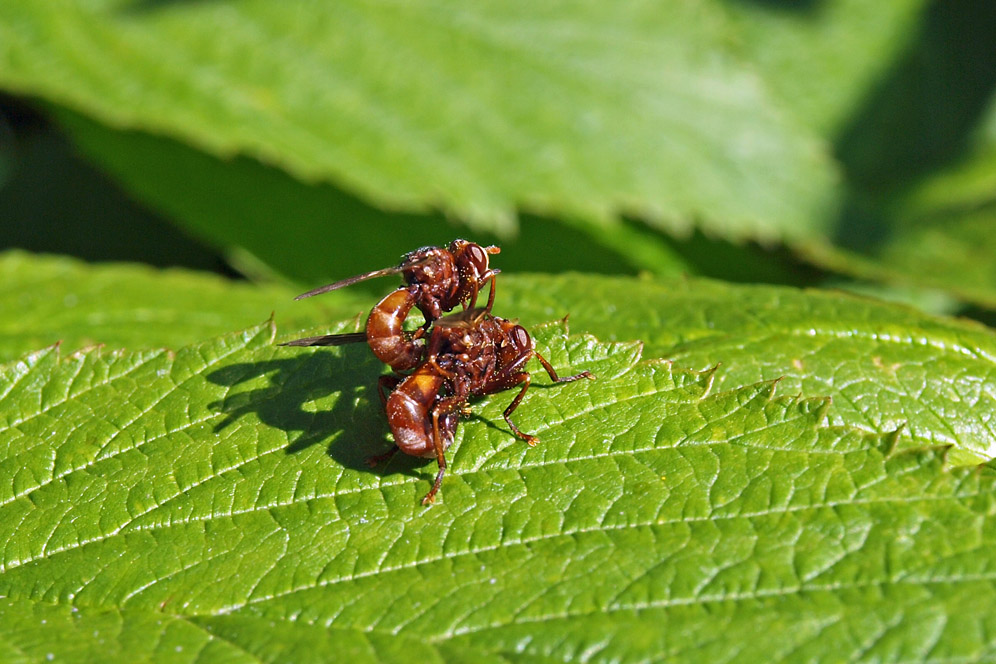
{"type": "Point", "coordinates": [710, 378]}
{"type": "Point", "coordinates": [891, 441]}
{"type": "Point", "coordinates": [270, 325]}
{"type": "Point", "coordinates": [85, 350]}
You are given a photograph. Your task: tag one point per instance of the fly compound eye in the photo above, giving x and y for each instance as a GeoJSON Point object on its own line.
{"type": "Point", "coordinates": [478, 258]}
{"type": "Point", "coordinates": [520, 337]}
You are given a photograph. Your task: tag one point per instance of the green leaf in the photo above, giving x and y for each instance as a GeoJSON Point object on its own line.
{"type": "Point", "coordinates": [902, 88]}
{"type": "Point", "coordinates": [54, 202]}
{"type": "Point", "coordinates": [821, 58]}
{"type": "Point", "coordinates": [885, 366]}
{"type": "Point", "coordinates": [879, 363]}
{"type": "Point", "coordinates": [214, 503]}
{"type": "Point", "coordinates": [570, 109]}
{"type": "Point", "coordinates": [64, 300]}
{"type": "Point", "coordinates": [315, 233]}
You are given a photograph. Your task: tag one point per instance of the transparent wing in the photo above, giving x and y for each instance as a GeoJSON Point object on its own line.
{"type": "Point", "coordinates": [329, 340]}
{"type": "Point", "coordinates": [350, 281]}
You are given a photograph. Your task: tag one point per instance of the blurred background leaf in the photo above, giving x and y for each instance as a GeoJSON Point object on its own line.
{"type": "Point", "coordinates": [716, 122]}
{"type": "Point", "coordinates": [586, 110]}
{"type": "Point", "coordinates": [940, 228]}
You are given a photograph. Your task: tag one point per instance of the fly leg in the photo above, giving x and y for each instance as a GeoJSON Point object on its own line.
{"type": "Point", "coordinates": [443, 408]}
{"type": "Point", "coordinates": [509, 380]}
{"type": "Point", "coordinates": [524, 378]}
{"type": "Point", "coordinates": [488, 276]}
{"type": "Point", "coordinates": [561, 379]}
{"type": "Point", "coordinates": [491, 295]}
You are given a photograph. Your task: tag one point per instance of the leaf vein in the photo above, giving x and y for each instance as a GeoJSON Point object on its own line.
{"type": "Point", "coordinates": [69, 396]}
{"type": "Point", "coordinates": [97, 456]}
{"type": "Point", "coordinates": [581, 531]}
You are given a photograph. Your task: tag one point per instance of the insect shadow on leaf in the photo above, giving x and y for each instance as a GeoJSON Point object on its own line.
{"type": "Point", "coordinates": [329, 395]}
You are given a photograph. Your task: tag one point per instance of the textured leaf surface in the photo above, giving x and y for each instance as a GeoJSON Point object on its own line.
{"type": "Point", "coordinates": [214, 504]}
{"type": "Point", "coordinates": [879, 363]}
{"type": "Point", "coordinates": [574, 109]}
{"type": "Point", "coordinates": [64, 300]}
{"type": "Point", "coordinates": [884, 365]}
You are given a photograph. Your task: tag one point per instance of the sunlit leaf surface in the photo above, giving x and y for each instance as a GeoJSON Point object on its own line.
{"type": "Point", "coordinates": [213, 503]}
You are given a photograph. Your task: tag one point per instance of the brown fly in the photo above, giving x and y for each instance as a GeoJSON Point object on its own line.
{"type": "Point", "coordinates": [471, 353]}
{"type": "Point", "coordinates": [467, 354]}
{"type": "Point", "coordinates": [437, 280]}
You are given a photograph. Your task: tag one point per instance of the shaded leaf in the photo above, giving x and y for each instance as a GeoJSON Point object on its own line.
{"type": "Point", "coordinates": [937, 232]}
{"type": "Point", "coordinates": [902, 87]}
{"type": "Point", "coordinates": [56, 202]}
{"type": "Point", "coordinates": [315, 232]}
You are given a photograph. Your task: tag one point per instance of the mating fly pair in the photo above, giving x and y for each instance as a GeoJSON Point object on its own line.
{"type": "Point", "coordinates": [449, 359]}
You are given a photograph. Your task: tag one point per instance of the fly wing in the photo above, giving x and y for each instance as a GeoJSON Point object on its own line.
{"type": "Point", "coordinates": [406, 264]}
{"type": "Point", "coordinates": [329, 340]}
{"type": "Point", "coordinates": [465, 318]}
{"type": "Point", "coordinates": [350, 281]}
